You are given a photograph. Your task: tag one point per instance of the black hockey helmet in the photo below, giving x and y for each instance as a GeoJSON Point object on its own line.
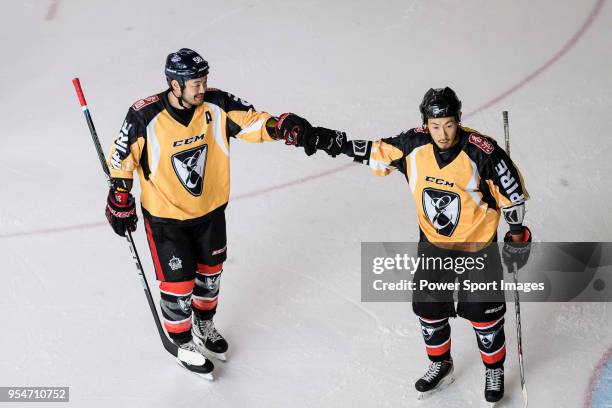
{"type": "Point", "coordinates": [440, 103]}
{"type": "Point", "coordinates": [183, 65]}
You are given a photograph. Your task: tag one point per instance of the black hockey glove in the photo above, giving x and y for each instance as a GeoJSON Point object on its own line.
{"type": "Point", "coordinates": [121, 212]}
{"type": "Point", "coordinates": [332, 141]}
{"type": "Point", "coordinates": [516, 253]}
{"type": "Point", "coordinates": [292, 129]}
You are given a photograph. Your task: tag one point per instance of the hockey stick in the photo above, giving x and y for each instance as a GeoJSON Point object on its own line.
{"type": "Point", "coordinates": [517, 304]}
{"type": "Point", "coordinates": [168, 344]}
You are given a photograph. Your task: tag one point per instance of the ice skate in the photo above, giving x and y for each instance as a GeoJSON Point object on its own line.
{"type": "Point", "coordinates": [494, 385]}
{"type": "Point", "coordinates": [438, 376]}
{"type": "Point", "coordinates": [208, 339]}
{"type": "Point", "coordinates": [190, 357]}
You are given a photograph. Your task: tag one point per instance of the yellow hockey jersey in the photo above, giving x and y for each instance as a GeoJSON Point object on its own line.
{"type": "Point", "coordinates": [458, 198]}
{"type": "Point", "coordinates": [183, 163]}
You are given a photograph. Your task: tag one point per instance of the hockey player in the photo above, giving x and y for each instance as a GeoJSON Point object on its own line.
{"type": "Point", "coordinates": [461, 181]}
{"type": "Point", "coordinates": [178, 142]}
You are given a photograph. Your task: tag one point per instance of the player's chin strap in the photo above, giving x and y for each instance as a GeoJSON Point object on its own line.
{"type": "Point", "coordinates": [180, 97]}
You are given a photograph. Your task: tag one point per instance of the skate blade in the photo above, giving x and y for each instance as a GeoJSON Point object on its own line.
{"type": "Point", "coordinates": [446, 381]}
{"type": "Point", "coordinates": [218, 356]}
{"type": "Point", "coordinates": [491, 404]}
{"type": "Point", "coordinates": [206, 376]}
{"type": "Point", "coordinates": [207, 352]}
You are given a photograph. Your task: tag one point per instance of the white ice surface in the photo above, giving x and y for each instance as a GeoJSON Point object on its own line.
{"type": "Point", "coordinates": [73, 311]}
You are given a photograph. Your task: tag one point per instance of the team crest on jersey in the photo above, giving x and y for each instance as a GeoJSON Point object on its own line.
{"type": "Point", "coordinates": [144, 102]}
{"type": "Point", "coordinates": [189, 167]}
{"type": "Point", "coordinates": [482, 143]}
{"type": "Point", "coordinates": [443, 209]}
{"type": "Point", "coordinates": [175, 263]}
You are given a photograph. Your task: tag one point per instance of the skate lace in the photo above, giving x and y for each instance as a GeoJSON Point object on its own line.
{"type": "Point", "coordinates": [432, 372]}
{"type": "Point", "coordinates": [207, 327]}
{"type": "Point", "coordinates": [189, 346]}
{"type": "Point", "coordinates": [493, 378]}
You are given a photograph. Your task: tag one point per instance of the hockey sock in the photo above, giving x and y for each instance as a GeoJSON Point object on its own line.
{"type": "Point", "coordinates": [176, 309]}
{"type": "Point", "coordinates": [437, 336]}
{"type": "Point", "coordinates": [491, 342]}
{"type": "Point", "coordinates": [206, 290]}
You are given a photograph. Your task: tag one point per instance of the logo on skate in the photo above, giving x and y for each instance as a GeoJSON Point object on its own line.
{"type": "Point", "coordinates": [443, 209]}
{"type": "Point", "coordinates": [175, 263]}
{"type": "Point", "coordinates": [185, 303]}
{"type": "Point", "coordinates": [189, 167]}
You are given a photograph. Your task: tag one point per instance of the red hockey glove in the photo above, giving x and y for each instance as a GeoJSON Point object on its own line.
{"type": "Point", "coordinates": [517, 253]}
{"type": "Point", "coordinates": [121, 212]}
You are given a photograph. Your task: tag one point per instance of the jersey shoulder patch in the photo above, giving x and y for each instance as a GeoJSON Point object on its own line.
{"type": "Point", "coordinates": [421, 129]}
{"type": "Point", "coordinates": [144, 102]}
{"type": "Point", "coordinates": [481, 142]}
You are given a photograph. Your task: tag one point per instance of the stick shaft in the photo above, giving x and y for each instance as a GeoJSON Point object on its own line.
{"type": "Point", "coordinates": [517, 303]}
{"type": "Point", "coordinates": [168, 344]}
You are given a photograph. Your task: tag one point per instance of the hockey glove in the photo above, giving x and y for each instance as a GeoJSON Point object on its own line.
{"type": "Point", "coordinates": [516, 253]}
{"type": "Point", "coordinates": [292, 129]}
{"type": "Point", "coordinates": [121, 212]}
{"type": "Point", "coordinates": [332, 141]}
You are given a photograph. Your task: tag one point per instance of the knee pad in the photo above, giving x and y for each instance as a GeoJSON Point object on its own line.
{"type": "Point", "coordinates": [491, 342]}
{"type": "Point", "coordinates": [437, 336]}
{"type": "Point", "coordinates": [206, 290]}
{"type": "Point", "coordinates": [175, 302]}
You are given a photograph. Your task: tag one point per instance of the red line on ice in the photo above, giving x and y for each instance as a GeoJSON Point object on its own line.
{"type": "Point", "coordinates": [555, 58]}
{"type": "Point", "coordinates": [292, 183]}
{"type": "Point", "coordinates": [572, 41]}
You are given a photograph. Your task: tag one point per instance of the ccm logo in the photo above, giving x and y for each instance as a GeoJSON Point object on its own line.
{"type": "Point", "coordinates": [439, 181]}
{"type": "Point", "coordinates": [188, 141]}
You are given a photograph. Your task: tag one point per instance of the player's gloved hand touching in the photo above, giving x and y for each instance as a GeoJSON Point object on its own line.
{"type": "Point", "coordinates": [332, 141]}
{"type": "Point", "coordinates": [517, 253]}
{"type": "Point", "coordinates": [292, 128]}
{"type": "Point", "coordinates": [121, 212]}
{"type": "Point", "coordinates": [297, 131]}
